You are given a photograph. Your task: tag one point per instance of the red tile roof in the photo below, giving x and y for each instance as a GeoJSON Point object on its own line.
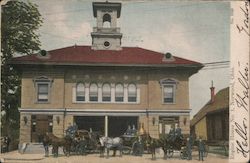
{"type": "Point", "coordinates": [84, 55]}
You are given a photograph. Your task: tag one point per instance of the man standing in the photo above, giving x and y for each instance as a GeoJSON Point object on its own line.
{"type": "Point", "coordinates": [189, 149]}
{"type": "Point", "coordinates": [201, 149]}
{"type": "Point", "coordinates": [171, 134]}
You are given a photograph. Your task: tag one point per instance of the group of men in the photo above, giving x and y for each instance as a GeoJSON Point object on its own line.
{"type": "Point", "coordinates": [173, 134]}
{"type": "Point", "coordinates": [201, 148]}
{"type": "Point", "coordinates": [176, 133]}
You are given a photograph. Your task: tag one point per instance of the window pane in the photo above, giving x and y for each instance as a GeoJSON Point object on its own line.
{"type": "Point", "coordinates": [119, 99]}
{"type": "Point", "coordinates": [80, 98]}
{"type": "Point", "coordinates": [119, 90]}
{"type": "Point", "coordinates": [168, 94]}
{"type": "Point", "coordinates": [93, 89]}
{"type": "Point", "coordinates": [43, 94]}
{"type": "Point", "coordinates": [131, 93]}
{"type": "Point", "coordinates": [80, 87]}
{"type": "Point", "coordinates": [93, 92]}
{"type": "Point", "coordinates": [106, 91]}
{"type": "Point", "coordinates": [80, 92]}
{"type": "Point", "coordinates": [131, 99]}
{"type": "Point", "coordinates": [93, 98]}
{"type": "Point", "coordinates": [43, 88]}
{"type": "Point", "coordinates": [106, 98]}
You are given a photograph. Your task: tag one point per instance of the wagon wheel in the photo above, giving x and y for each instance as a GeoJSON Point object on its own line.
{"type": "Point", "coordinates": [81, 149]}
{"type": "Point", "coordinates": [206, 150]}
{"type": "Point", "coordinates": [65, 151]}
{"type": "Point", "coordinates": [126, 150]}
{"type": "Point", "coordinates": [182, 155]}
{"type": "Point", "coordinates": [170, 153]}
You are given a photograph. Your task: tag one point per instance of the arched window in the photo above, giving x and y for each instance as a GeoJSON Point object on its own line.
{"type": "Point", "coordinates": [119, 93]}
{"type": "Point", "coordinates": [80, 92]}
{"type": "Point", "coordinates": [93, 92]}
{"type": "Point", "coordinates": [106, 20]}
{"type": "Point", "coordinates": [106, 92]}
{"type": "Point", "coordinates": [132, 94]}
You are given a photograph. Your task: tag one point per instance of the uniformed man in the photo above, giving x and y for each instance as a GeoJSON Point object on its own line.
{"type": "Point", "coordinates": [137, 147]}
{"type": "Point", "coordinates": [6, 141]}
{"type": "Point", "coordinates": [46, 147]}
{"type": "Point", "coordinates": [201, 149]}
{"type": "Point", "coordinates": [133, 131]}
{"type": "Point", "coordinates": [128, 132]}
{"type": "Point", "coordinates": [71, 130]}
{"type": "Point", "coordinates": [171, 134]}
{"type": "Point", "coordinates": [189, 149]}
{"type": "Point", "coordinates": [178, 131]}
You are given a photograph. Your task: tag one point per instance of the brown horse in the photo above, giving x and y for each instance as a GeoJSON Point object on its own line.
{"type": "Point", "coordinates": [152, 144]}
{"type": "Point", "coordinates": [56, 142]}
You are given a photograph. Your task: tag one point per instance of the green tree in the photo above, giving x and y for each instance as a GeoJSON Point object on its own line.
{"type": "Point", "coordinates": [19, 25]}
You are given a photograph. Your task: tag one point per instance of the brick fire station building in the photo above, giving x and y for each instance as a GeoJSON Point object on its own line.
{"type": "Point", "coordinates": [104, 86]}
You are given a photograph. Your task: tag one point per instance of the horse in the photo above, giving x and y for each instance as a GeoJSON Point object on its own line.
{"type": "Point", "coordinates": [110, 143]}
{"type": "Point", "coordinates": [163, 142]}
{"type": "Point", "coordinates": [56, 142]}
{"type": "Point", "coordinates": [153, 144]}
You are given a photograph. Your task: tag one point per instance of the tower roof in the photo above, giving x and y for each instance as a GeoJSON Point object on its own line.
{"type": "Point", "coordinates": [106, 5]}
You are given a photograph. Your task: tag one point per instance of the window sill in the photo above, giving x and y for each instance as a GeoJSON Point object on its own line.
{"type": "Point", "coordinates": [169, 103]}
{"type": "Point", "coordinates": [40, 102]}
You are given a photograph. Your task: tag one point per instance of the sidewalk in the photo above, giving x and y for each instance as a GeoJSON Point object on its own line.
{"type": "Point", "coordinates": [15, 155]}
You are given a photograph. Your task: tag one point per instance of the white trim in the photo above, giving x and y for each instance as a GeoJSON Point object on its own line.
{"type": "Point", "coordinates": [125, 94]}
{"type": "Point", "coordinates": [106, 126]}
{"type": "Point", "coordinates": [74, 94]}
{"type": "Point", "coordinates": [112, 95]}
{"type": "Point", "coordinates": [99, 94]}
{"type": "Point", "coordinates": [41, 111]}
{"type": "Point", "coordinates": [138, 95]}
{"type": "Point", "coordinates": [86, 95]}
{"type": "Point", "coordinates": [109, 112]}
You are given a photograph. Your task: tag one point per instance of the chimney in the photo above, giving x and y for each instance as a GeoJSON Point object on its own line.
{"type": "Point", "coordinates": [212, 93]}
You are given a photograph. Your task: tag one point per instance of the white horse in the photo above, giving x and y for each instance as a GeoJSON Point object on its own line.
{"type": "Point", "coordinates": [110, 143]}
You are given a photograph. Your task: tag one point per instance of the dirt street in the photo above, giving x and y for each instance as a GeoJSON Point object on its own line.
{"type": "Point", "coordinates": [15, 157]}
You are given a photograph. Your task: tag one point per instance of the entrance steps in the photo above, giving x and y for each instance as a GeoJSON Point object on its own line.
{"type": "Point", "coordinates": [34, 148]}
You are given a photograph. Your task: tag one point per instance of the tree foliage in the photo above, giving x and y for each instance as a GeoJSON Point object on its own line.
{"type": "Point", "coordinates": [19, 25]}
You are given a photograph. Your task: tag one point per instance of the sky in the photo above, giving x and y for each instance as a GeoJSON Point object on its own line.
{"type": "Point", "coordinates": [198, 31]}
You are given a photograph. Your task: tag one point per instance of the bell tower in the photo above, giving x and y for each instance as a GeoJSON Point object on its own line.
{"type": "Point", "coordinates": [106, 35]}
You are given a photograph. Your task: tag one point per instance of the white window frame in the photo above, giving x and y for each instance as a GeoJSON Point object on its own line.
{"type": "Point", "coordinates": [76, 92]}
{"type": "Point", "coordinates": [100, 93]}
{"type": "Point", "coordinates": [129, 95]}
{"type": "Point", "coordinates": [103, 96]}
{"type": "Point", "coordinates": [93, 83]}
{"type": "Point", "coordinates": [45, 81]}
{"type": "Point", "coordinates": [169, 83]}
{"type": "Point", "coordinates": [116, 93]}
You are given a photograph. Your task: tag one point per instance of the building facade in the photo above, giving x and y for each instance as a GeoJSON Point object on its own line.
{"type": "Point", "coordinates": [211, 123]}
{"type": "Point", "coordinates": [105, 87]}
